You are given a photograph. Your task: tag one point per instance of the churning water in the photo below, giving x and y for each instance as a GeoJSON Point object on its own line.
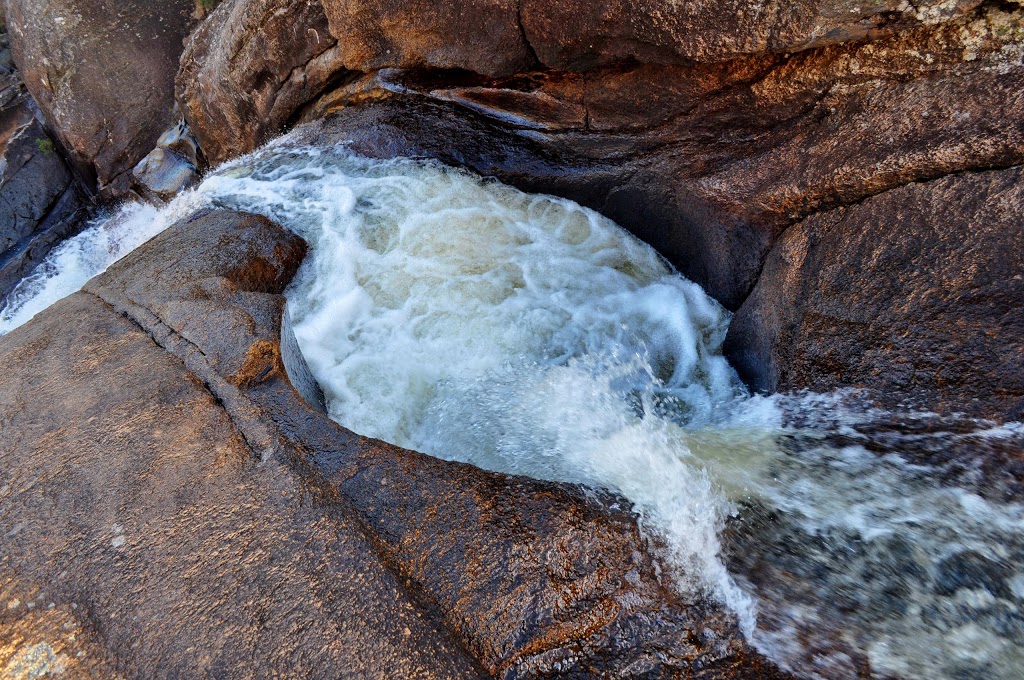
{"type": "Point", "coordinates": [526, 334]}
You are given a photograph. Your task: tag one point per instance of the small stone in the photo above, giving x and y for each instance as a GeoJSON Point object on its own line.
{"type": "Point", "coordinates": [164, 173]}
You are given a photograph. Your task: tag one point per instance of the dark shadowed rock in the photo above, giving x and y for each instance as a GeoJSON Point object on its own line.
{"type": "Point", "coordinates": [32, 178]}
{"type": "Point", "coordinates": [102, 74]}
{"type": "Point", "coordinates": [188, 514]}
{"type": "Point", "coordinates": [914, 294]}
{"type": "Point", "coordinates": [972, 570]}
{"type": "Point", "coordinates": [39, 203]}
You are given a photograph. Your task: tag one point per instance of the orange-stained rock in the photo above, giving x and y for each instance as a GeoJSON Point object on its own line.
{"type": "Point", "coordinates": [189, 514]}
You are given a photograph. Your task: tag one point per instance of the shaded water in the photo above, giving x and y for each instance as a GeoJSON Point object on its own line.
{"type": "Point", "coordinates": [526, 334]}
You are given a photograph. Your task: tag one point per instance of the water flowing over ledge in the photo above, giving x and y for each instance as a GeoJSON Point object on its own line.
{"type": "Point", "coordinates": [525, 334]}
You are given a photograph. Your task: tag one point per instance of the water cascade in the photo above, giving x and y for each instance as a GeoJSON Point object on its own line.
{"type": "Point", "coordinates": [466, 319]}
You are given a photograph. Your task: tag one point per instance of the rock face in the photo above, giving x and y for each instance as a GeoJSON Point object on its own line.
{"type": "Point", "coordinates": [39, 203]}
{"type": "Point", "coordinates": [188, 514]}
{"type": "Point", "coordinates": [915, 294]}
{"type": "Point", "coordinates": [293, 60]}
{"type": "Point", "coordinates": [102, 74]}
{"type": "Point", "coordinates": [686, 155]}
{"type": "Point", "coordinates": [707, 129]}
{"type": "Point", "coordinates": [574, 33]}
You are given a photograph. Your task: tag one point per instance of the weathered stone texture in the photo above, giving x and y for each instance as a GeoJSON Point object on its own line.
{"type": "Point", "coordinates": [914, 294]}
{"type": "Point", "coordinates": [709, 162]}
{"type": "Point", "coordinates": [103, 76]}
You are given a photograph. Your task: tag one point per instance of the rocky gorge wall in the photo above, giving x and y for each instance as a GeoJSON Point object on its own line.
{"type": "Point", "coordinates": [180, 510]}
{"type": "Point", "coordinates": [844, 176]}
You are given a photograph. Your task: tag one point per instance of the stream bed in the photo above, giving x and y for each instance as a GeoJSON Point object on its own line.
{"type": "Point", "coordinates": [463, 318]}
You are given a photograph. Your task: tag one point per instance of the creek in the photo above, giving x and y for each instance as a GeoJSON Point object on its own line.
{"type": "Point", "coordinates": [525, 334]}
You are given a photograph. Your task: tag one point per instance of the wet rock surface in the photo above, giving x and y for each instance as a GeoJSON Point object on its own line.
{"type": "Point", "coordinates": [690, 156]}
{"type": "Point", "coordinates": [708, 130]}
{"type": "Point", "coordinates": [914, 294]}
{"type": "Point", "coordinates": [40, 204]}
{"type": "Point", "coordinates": [187, 513]}
{"type": "Point", "coordinates": [163, 173]}
{"type": "Point", "coordinates": [102, 75]}
{"type": "Point", "coordinates": [709, 162]}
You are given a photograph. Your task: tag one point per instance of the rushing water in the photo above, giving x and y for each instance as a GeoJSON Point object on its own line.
{"type": "Point", "coordinates": [526, 334]}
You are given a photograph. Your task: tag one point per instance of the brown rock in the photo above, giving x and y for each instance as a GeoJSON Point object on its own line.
{"type": "Point", "coordinates": [150, 520]}
{"type": "Point", "coordinates": [577, 34]}
{"type": "Point", "coordinates": [191, 515]}
{"type": "Point", "coordinates": [272, 55]}
{"type": "Point", "coordinates": [102, 74]}
{"type": "Point", "coordinates": [709, 161]}
{"type": "Point", "coordinates": [482, 36]}
{"type": "Point", "coordinates": [914, 294]}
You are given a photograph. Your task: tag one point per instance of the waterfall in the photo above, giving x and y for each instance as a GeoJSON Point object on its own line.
{"type": "Point", "coordinates": [526, 334]}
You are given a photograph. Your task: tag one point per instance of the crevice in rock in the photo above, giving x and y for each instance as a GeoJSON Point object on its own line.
{"type": "Point", "coordinates": [337, 81]}
{"type": "Point", "coordinates": [261, 440]}
{"type": "Point", "coordinates": [266, 441]}
{"type": "Point", "coordinates": [525, 37]}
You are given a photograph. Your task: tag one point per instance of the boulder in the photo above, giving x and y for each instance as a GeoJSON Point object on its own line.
{"type": "Point", "coordinates": [177, 505]}
{"type": "Point", "coordinates": [273, 56]}
{"type": "Point", "coordinates": [163, 173]}
{"type": "Point", "coordinates": [102, 74]}
{"type": "Point", "coordinates": [913, 294]}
